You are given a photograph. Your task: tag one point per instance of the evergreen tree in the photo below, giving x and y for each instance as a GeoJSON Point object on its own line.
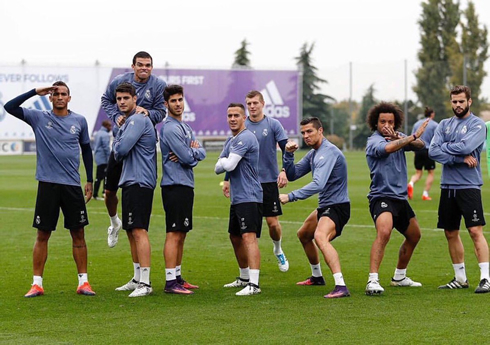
{"type": "Point", "coordinates": [242, 56]}
{"type": "Point", "coordinates": [314, 103]}
{"type": "Point", "coordinates": [438, 26]}
{"type": "Point", "coordinates": [474, 53]}
{"type": "Point", "coordinates": [363, 131]}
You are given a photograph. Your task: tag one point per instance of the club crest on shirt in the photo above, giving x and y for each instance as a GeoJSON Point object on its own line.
{"type": "Point", "coordinates": [464, 130]}
{"type": "Point", "coordinates": [265, 132]}
{"type": "Point", "coordinates": [73, 130]}
{"type": "Point", "coordinates": [49, 125]}
{"type": "Point", "coordinates": [148, 94]}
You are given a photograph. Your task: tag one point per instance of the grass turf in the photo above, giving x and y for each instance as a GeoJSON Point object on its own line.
{"type": "Point", "coordinates": [283, 314]}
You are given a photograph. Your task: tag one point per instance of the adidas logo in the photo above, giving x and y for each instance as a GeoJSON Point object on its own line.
{"type": "Point", "coordinates": [274, 105]}
{"type": "Point", "coordinates": [188, 115]}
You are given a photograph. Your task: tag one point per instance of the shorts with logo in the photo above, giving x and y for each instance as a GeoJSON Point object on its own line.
{"type": "Point", "coordinates": [338, 213]}
{"type": "Point", "coordinates": [178, 201]}
{"type": "Point", "coordinates": [455, 203]}
{"type": "Point", "coordinates": [53, 196]}
{"type": "Point", "coordinates": [421, 160]}
{"type": "Point", "coordinates": [400, 210]}
{"type": "Point", "coordinates": [113, 173]}
{"type": "Point", "coordinates": [271, 203]}
{"type": "Point", "coordinates": [245, 217]}
{"type": "Point", "coordinates": [137, 202]}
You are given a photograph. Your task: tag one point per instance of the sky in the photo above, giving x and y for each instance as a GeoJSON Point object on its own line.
{"type": "Point", "coordinates": [358, 43]}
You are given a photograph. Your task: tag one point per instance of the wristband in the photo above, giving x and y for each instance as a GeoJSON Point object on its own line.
{"type": "Point", "coordinates": [414, 137]}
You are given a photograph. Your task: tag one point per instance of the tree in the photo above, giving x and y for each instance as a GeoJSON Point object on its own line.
{"type": "Point", "coordinates": [438, 27]}
{"type": "Point", "coordinates": [471, 57]}
{"type": "Point", "coordinates": [314, 103]}
{"type": "Point", "coordinates": [242, 56]}
{"type": "Point", "coordinates": [363, 131]}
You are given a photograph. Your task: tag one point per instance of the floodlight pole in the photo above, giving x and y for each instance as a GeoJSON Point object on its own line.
{"type": "Point", "coordinates": [405, 108]}
{"type": "Point", "coordinates": [350, 105]}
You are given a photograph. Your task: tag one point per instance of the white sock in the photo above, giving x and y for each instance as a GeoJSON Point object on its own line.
{"type": "Point", "coordinates": [411, 183]}
{"type": "Point", "coordinates": [425, 193]}
{"type": "Point", "coordinates": [82, 278]}
{"type": "Point", "coordinates": [170, 274]}
{"type": "Point", "coordinates": [136, 274]}
{"type": "Point", "coordinates": [145, 275]}
{"type": "Point", "coordinates": [400, 274]}
{"type": "Point", "coordinates": [115, 220]}
{"type": "Point", "coordinates": [178, 270]}
{"type": "Point", "coordinates": [460, 272]}
{"type": "Point", "coordinates": [277, 247]}
{"type": "Point", "coordinates": [339, 279]}
{"type": "Point", "coordinates": [245, 273]}
{"type": "Point", "coordinates": [254, 276]}
{"type": "Point", "coordinates": [37, 280]}
{"type": "Point", "coordinates": [373, 277]}
{"type": "Point", "coordinates": [316, 270]}
{"type": "Point", "coordinates": [484, 274]}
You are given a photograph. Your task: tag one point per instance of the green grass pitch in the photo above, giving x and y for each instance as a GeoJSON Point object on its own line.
{"type": "Point", "coordinates": [283, 314]}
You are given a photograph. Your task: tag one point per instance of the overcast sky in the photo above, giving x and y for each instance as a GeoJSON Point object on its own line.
{"type": "Point", "coordinates": [376, 36]}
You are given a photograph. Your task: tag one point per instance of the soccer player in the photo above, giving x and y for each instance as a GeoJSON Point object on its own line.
{"type": "Point", "coordinates": [181, 152]}
{"type": "Point", "coordinates": [457, 145]}
{"type": "Point", "coordinates": [60, 133]}
{"type": "Point", "coordinates": [149, 90]}
{"type": "Point", "coordinates": [240, 158]}
{"type": "Point", "coordinates": [421, 157]}
{"type": "Point", "coordinates": [329, 170]}
{"type": "Point", "coordinates": [269, 133]}
{"type": "Point", "coordinates": [135, 145]}
{"type": "Point", "coordinates": [385, 154]}
{"type": "Point", "coordinates": [102, 150]}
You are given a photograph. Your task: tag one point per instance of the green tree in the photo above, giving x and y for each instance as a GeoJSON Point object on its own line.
{"type": "Point", "coordinates": [315, 104]}
{"type": "Point", "coordinates": [362, 129]}
{"type": "Point", "coordinates": [472, 56]}
{"type": "Point", "coordinates": [438, 27]}
{"type": "Point", "coordinates": [242, 59]}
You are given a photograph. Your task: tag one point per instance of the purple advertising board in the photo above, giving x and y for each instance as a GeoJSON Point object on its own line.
{"type": "Point", "coordinates": [207, 94]}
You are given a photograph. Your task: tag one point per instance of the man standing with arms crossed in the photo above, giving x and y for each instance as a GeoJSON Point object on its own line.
{"type": "Point", "coordinates": [457, 145]}
{"type": "Point", "coordinates": [181, 152]}
{"type": "Point", "coordinates": [149, 91]}
{"type": "Point", "coordinates": [240, 158]}
{"type": "Point", "coordinates": [269, 133]}
{"type": "Point", "coordinates": [60, 133]}
{"type": "Point", "coordinates": [421, 157]}
{"type": "Point", "coordinates": [135, 145]}
{"type": "Point", "coordinates": [329, 169]}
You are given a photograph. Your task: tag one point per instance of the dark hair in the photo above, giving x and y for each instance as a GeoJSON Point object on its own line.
{"type": "Point", "coordinates": [172, 90]}
{"type": "Point", "coordinates": [384, 107]}
{"type": "Point", "coordinates": [456, 90]}
{"type": "Point", "coordinates": [428, 111]}
{"type": "Point", "coordinates": [236, 105]}
{"type": "Point", "coordinates": [315, 121]}
{"type": "Point", "coordinates": [126, 88]}
{"type": "Point", "coordinates": [62, 83]}
{"type": "Point", "coordinates": [107, 124]}
{"type": "Point", "coordinates": [253, 93]}
{"type": "Point", "coordinates": [142, 55]}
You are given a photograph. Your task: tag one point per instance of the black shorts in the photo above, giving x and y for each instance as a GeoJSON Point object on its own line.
{"type": "Point", "coordinates": [245, 217]}
{"type": "Point", "coordinates": [53, 196]}
{"type": "Point", "coordinates": [422, 160]}
{"type": "Point", "coordinates": [178, 201]}
{"type": "Point", "coordinates": [400, 210]}
{"type": "Point", "coordinates": [338, 213]}
{"type": "Point", "coordinates": [271, 206]}
{"type": "Point", "coordinates": [455, 203]}
{"type": "Point", "coordinates": [136, 207]}
{"type": "Point", "coordinates": [113, 173]}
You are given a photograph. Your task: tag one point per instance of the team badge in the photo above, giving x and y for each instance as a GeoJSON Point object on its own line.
{"type": "Point", "coordinates": [73, 130]}
{"type": "Point", "coordinates": [464, 130]}
{"type": "Point", "coordinates": [265, 132]}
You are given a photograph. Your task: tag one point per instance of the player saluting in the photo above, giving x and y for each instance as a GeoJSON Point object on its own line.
{"type": "Point", "coordinates": [60, 133]}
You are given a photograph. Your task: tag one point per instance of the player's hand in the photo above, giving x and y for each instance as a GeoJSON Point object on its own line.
{"type": "Point", "coordinates": [120, 120]}
{"type": "Point", "coordinates": [284, 198]}
{"type": "Point", "coordinates": [141, 110]}
{"type": "Point", "coordinates": [89, 191]}
{"type": "Point", "coordinates": [422, 128]}
{"type": "Point", "coordinates": [291, 146]}
{"type": "Point", "coordinates": [173, 157]}
{"type": "Point", "coordinates": [471, 161]}
{"type": "Point", "coordinates": [282, 180]}
{"type": "Point", "coordinates": [43, 91]}
{"type": "Point", "coordinates": [226, 188]}
{"type": "Point", "coordinates": [195, 144]}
